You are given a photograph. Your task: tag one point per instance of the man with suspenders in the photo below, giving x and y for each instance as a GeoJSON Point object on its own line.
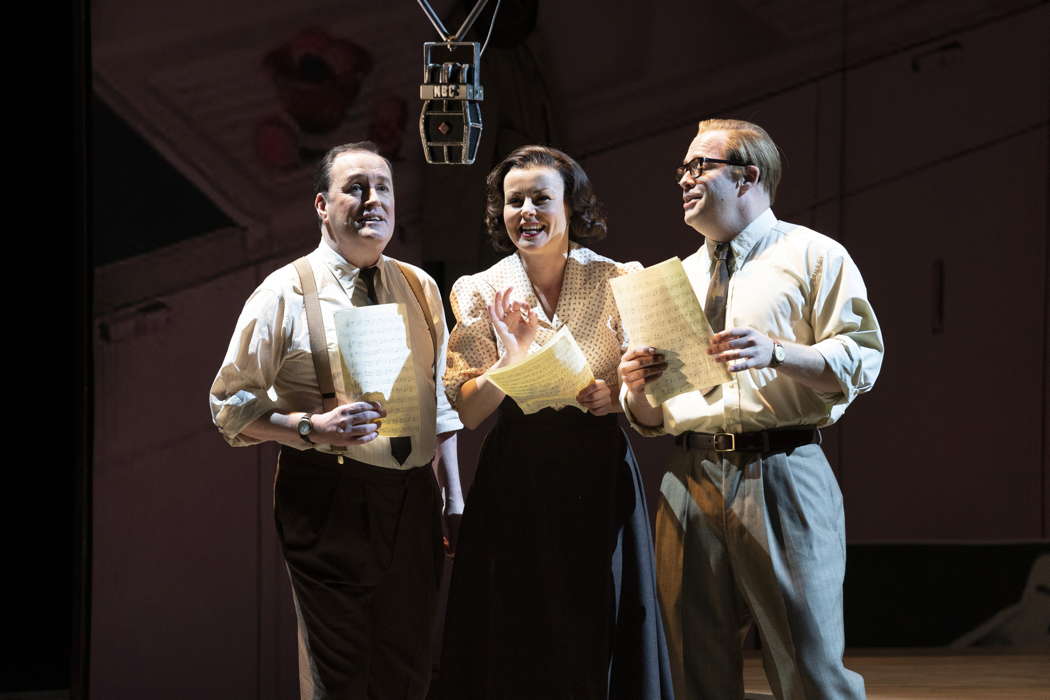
{"type": "Point", "coordinates": [358, 514]}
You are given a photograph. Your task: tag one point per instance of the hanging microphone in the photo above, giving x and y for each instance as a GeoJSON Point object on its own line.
{"type": "Point", "coordinates": [450, 121]}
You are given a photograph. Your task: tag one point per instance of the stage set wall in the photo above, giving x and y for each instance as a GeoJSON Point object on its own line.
{"type": "Point", "coordinates": [923, 148]}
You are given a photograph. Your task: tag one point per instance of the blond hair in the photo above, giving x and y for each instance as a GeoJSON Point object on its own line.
{"type": "Point", "coordinates": [749, 143]}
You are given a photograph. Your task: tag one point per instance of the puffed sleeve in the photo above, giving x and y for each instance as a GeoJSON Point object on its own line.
{"type": "Point", "coordinates": [472, 344]}
{"type": "Point", "coordinates": [447, 418]}
{"type": "Point", "coordinates": [240, 393]}
{"type": "Point", "coordinates": [845, 329]}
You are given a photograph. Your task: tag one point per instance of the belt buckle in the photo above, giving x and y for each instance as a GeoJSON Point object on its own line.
{"type": "Point", "coordinates": [715, 439]}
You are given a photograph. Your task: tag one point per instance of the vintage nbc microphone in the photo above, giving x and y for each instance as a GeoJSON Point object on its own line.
{"type": "Point", "coordinates": [450, 121]}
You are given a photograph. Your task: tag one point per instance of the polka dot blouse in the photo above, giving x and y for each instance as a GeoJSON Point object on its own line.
{"type": "Point", "coordinates": [585, 305]}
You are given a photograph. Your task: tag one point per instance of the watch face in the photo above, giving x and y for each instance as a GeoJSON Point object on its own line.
{"type": "Point", "coordinates": [778, 353]}
{"type": "Point", "coordinates": [304, 426]}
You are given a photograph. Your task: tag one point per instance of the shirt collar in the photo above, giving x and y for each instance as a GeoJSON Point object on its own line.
{"type": "Point", "coordinates": [343, 270]}
{"type": "Point", "coordinates": [521, 282]}
{"type": "Point", "coordinates": [744, 241]}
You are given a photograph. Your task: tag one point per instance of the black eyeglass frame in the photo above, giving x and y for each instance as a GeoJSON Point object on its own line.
{"type": "Point", "coordinates": [696, 166]}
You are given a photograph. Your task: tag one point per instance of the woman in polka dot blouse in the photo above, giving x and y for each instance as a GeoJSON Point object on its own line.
{"type": "Point", "coordinates": [553, 593]}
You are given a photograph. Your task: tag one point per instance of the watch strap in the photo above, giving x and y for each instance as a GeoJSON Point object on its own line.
{"type": "Point", "coordinates": [309, 428]}
{"type": "Point", "coordinates": [777, 359]}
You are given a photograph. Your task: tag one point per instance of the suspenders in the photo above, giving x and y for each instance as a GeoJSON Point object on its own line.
{"type": "Point", "coordinates": [315, 325]}
{"type": "Point", "coordinates": [417, 292]}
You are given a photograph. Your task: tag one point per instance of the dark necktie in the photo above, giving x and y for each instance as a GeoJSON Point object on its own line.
{"type": "Point", "coordinates": [400, 447]}
{"type": "Point", "coordinates": [718, 290]}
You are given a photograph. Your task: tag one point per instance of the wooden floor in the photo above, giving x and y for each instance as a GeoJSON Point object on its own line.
{"type": "Point", "coordinates": [916, 674]}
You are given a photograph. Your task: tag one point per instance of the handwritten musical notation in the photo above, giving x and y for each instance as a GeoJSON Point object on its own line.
{"type": "Point", "coordinates": [550, 377]}
{"type": "Point", "coordinates": [659, 308]}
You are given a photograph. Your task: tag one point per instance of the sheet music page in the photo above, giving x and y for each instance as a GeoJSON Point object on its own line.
{"type": "Point", "coordinates": [551, 377]}
{"type": "Point", "coordinates": [377, 364]}
{"type": "Point", "coordinates": [659, 308]}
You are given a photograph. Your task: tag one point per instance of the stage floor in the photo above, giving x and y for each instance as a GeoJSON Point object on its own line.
{"type": "Point", "coordinates": [916, 674]}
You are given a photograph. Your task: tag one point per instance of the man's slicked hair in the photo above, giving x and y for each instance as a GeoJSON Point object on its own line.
{"type": "Point", "coordinates": [749, 143]}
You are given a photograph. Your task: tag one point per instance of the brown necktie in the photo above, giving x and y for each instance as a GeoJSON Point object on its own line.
{"type": "Point", "coordinates": [718, 289]}
{"type": "Point", "coordinates": [400, 447]}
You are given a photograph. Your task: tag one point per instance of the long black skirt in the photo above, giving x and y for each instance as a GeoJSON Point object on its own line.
{"type": "Point", "coordinates": [553, 591]}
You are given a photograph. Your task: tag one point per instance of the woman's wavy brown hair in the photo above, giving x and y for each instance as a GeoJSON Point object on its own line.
{"type": "Point", "coordinates": [586, 214]}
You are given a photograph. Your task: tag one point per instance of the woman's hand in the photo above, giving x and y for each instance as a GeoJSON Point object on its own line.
{"type": "Point", "coordinates": [597, 398]}
{"type": "Point", "coordinates": [514, 323]}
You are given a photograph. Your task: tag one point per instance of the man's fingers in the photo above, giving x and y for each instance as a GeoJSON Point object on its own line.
{"type": "Point", "coordinates": [362, 406]}
{"type": "Point", "coordinates": [366, 415]}
{"type": "Point", "coordinates": [639, 378]}
{"type": "Point", "coordinates": [643, 361]}
{"type": "Point", "coordinates": [745, 353]}
{"type": "Point", "coordinates": [641, 371]}
{"type": "Point", "coordinates": [357, 429]}
{"type": "Point", "coordinates": [351, 437]}
{"type": "Point", "coordinates": [641, 351]}
{"type": "Point", "coordinates": [734, 338]}
{"type": "Point", "coordinates": [730, 333]}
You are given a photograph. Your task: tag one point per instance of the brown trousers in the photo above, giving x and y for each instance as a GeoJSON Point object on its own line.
{"type": "Point", "coordinates": [364, 555]}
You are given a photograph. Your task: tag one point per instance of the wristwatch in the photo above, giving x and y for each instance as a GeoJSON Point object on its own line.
{"type": "Point", "coordinates": [304, 427]}
{"type": "Point", "coordinates": [778, 354]}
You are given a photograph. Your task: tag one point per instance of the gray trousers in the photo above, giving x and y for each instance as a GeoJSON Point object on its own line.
{"type": "Point", "coordinates": [742, 538]}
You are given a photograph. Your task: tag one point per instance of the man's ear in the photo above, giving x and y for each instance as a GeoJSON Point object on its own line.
{"type": "Point", "coordinates": [321, 205]}
{"type": "Point", "coordinates": [751, 177]}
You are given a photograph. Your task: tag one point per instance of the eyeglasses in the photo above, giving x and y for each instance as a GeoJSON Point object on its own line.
{"type": "Point", "coordinates": [696, 167]}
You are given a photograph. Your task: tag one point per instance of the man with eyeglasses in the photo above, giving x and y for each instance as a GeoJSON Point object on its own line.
{"type": "Point", "coordinates": [750, 526]}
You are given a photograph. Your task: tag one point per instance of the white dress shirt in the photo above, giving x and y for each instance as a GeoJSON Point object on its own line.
{"type": "Point", "coordinates": [269, 365]}
{"type": "Point", "coordinates": [795, 285]}
{"type": "Point", "coordinates": [585, 304]}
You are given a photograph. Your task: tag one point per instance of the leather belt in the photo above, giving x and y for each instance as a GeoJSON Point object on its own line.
{"type": "Point", "coordinates": [766, 441]}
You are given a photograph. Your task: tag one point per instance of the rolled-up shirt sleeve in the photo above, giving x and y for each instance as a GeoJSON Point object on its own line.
{"type": "Point", "coordinates": [646, 430]}
{"type": "Point", "coordinates": [472, 345]}
{"type": "Point", "coordinates": [845, 329]}
{"type": "Point", "coordinates": [242, 390]}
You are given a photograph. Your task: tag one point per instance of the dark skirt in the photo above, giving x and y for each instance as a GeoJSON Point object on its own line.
{"type": "Point", "coordinates": [553, 593]}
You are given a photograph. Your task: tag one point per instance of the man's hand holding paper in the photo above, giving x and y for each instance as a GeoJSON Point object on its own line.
{"type": "Point", "coordinates": [669, 331]}
{"type": "Point", "coordinates": [354, 423]}
{"type": "Point", "coordinates": [377, 364]}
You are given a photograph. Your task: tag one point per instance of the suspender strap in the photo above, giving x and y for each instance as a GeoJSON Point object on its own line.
{"type": "Point", "coordinates": [315, 325]}
{"type": "Point", "coordinates": [417, 291]}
